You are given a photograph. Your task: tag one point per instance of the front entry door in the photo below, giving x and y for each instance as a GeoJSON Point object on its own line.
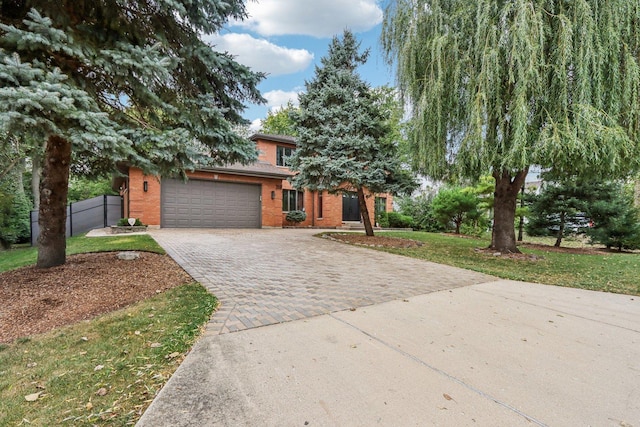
{"type": "Point", "coordinates": [350, 207]}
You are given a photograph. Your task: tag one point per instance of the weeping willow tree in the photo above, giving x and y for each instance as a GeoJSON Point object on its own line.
{"type": "Point", "coordinates": [500, 85]}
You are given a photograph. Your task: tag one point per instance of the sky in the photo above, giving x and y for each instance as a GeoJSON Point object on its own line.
{"type": "Point", "coordinates": [287, 38]}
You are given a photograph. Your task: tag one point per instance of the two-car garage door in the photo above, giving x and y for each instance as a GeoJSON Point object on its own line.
{"type": "Point", "coordinates": [210, 204]}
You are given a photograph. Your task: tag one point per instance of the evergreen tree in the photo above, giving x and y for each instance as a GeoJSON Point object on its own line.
{"type": "Point", "coordinates": [615, 220]}
{"type": "Point", "coordinates": [496, 85]}
{"type": "Point", "coordinates": [560, 208]}
{"type": "Point", "coordinates": [112, 81]}
{"type": "Point", "coordinates": [342, 132]}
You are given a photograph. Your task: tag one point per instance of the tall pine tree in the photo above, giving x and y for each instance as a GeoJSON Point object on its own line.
{"type": "Point", "coordinates": [497, 85]}
{"type": "Point", "coordinates": [110, 81]}
{"type": "Point", "coordinates": [342, 132]}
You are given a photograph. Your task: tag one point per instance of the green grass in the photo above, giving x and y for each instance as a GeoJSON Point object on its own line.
{"type": "Point", "coordinates": [113, 352]}
{"type": "Point", "coordinates": [609, 272]}
{"type": "Point", "coordinates": [22, 256]}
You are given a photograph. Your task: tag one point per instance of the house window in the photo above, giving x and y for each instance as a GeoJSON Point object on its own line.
{"type": "Point", "coordinates": [282, 154]}
{"type": "Point", "coordinates": [292, 200]}
{"type": "Point", "coordinates": [381, 204]}
{"type": "Point", "coordinates": [319, 204]}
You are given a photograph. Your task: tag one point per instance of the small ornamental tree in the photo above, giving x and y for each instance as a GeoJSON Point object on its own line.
{"type": "Point", "coordinates": [109, 81]}
{"type": "Point", "coordinates": [342, 130]}
{"type": "Point", "coordinates": [455, 205]}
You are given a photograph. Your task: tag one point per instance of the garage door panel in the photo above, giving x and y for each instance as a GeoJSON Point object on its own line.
{"type": "Point", "coordinates": [210, 204]}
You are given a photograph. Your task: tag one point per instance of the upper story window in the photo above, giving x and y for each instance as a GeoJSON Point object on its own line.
{"type": "Point", "coordinates": [282, 154]}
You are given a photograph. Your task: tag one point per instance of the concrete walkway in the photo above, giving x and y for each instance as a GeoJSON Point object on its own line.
{"type": "Point", "coordinates": [426, 344]}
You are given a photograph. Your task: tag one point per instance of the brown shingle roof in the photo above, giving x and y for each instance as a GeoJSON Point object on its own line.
{"type": "Point", "coordinates": [276, 138]}
{"type": "Point", "coordinates": [259, 169]}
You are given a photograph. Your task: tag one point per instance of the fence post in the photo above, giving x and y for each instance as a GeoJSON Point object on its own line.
{"type": "Point", "coordinates": [31, 227]}
{"type": "Point", "coordinates": [70, 219]}
{"type": "Point", "coordinates": [105, 210]}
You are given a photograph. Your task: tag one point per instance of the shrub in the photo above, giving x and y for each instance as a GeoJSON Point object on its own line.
{"type": "Point", "coordinates": [124, 222]}
{"type": "Point", "coordinates": [382, 218]}
{"type": "Point", "coordinates": [397, 220]}
{"type": "Point", "coordinates": [419, 208]}
{"type": "Point", "coordinates": [296, 216]}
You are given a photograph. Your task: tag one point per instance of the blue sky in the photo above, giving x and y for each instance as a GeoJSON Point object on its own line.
{"type": "Point", "coordinates": [287, 38]}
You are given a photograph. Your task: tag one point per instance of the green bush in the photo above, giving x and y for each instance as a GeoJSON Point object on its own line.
{"type": "Point", "coordinates": [382, 218]}
{"type": "Point", "coordinates": [124, 222]}
{"type": "Point", "coordinates": [82, 188]}
{"type": "Point", "coordinates": [397, 220]}
{"type": "Point", "coordinates": [296, 216]}
{"type": "Point", "coordinates": [419, 208]}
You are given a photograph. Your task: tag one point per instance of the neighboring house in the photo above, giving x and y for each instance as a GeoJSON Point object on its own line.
{"type": "Point", "coordinates": [238, 196]}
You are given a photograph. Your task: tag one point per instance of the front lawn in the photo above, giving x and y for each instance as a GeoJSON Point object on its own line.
{"type": "Point", "coordinates": [22, 256]}
{"type": "Point", "coordinates": [600, 271]}
{"type": "Point", "coordinates": [106, 370]}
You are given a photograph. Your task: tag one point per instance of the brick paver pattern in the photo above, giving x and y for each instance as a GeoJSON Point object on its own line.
{"type": "Point", "coordinates": [263, 277]}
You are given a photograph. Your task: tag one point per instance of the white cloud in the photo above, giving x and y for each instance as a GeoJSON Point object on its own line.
{"type": "Point", "coordinates": [276, 99]}
{"type": "Point", "coordinates": [255, 125]}
{"type": "Point", "coordinates": [262, 55]}
{"type": "Point", "coordinates": [311, 17]}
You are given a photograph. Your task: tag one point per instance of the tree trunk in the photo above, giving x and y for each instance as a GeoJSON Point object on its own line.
{"type": "Point", "coordinates": [521, 229]}
{"type": "Point", "coordinates": [53, 203]}
{"type": "Point", "coordinates": [521, 223]}
{"type": "Point", "coordinates": [503, 236]}
{"type": "Point", "coordinates": [364, 212]}
{"type": "Point", "coordinates": [36, 172]}
{"type": "Point", "coordinates": [560, 230]}
{"type": "Point", "coordinates": [457, 222]}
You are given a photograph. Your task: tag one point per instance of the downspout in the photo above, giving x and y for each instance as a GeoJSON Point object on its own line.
{"type": "Point", "coordinates": [313, 208]}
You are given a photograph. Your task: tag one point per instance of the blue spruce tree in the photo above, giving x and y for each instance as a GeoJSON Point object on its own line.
{"type": "Point", "coordinates": [108, 81]}
{"type": "Point", "coordinates": [343, 142]}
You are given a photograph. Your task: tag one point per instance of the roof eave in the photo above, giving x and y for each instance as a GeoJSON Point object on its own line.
{"type": "Point", "coordinates": [255, 174]}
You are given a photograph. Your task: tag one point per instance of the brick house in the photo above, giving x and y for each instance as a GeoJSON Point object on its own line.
{"type": "Point", "coordinates": [239, 196]}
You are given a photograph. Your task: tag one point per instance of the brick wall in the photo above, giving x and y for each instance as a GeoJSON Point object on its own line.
{"type": "Point", "coordinates": [146, 205]}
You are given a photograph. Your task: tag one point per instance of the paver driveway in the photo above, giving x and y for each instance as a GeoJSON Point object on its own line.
{"type": "Point", "coordinates": [494, 353]}
{"type": "Point", "coordinates": [262, 277]}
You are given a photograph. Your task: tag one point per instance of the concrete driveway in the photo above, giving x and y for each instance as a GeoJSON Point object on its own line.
{"type": "Point", "coordinates": [314, 332]}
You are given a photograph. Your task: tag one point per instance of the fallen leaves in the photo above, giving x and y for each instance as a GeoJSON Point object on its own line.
{"type": "Point", "coordinates": [32, 397]}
